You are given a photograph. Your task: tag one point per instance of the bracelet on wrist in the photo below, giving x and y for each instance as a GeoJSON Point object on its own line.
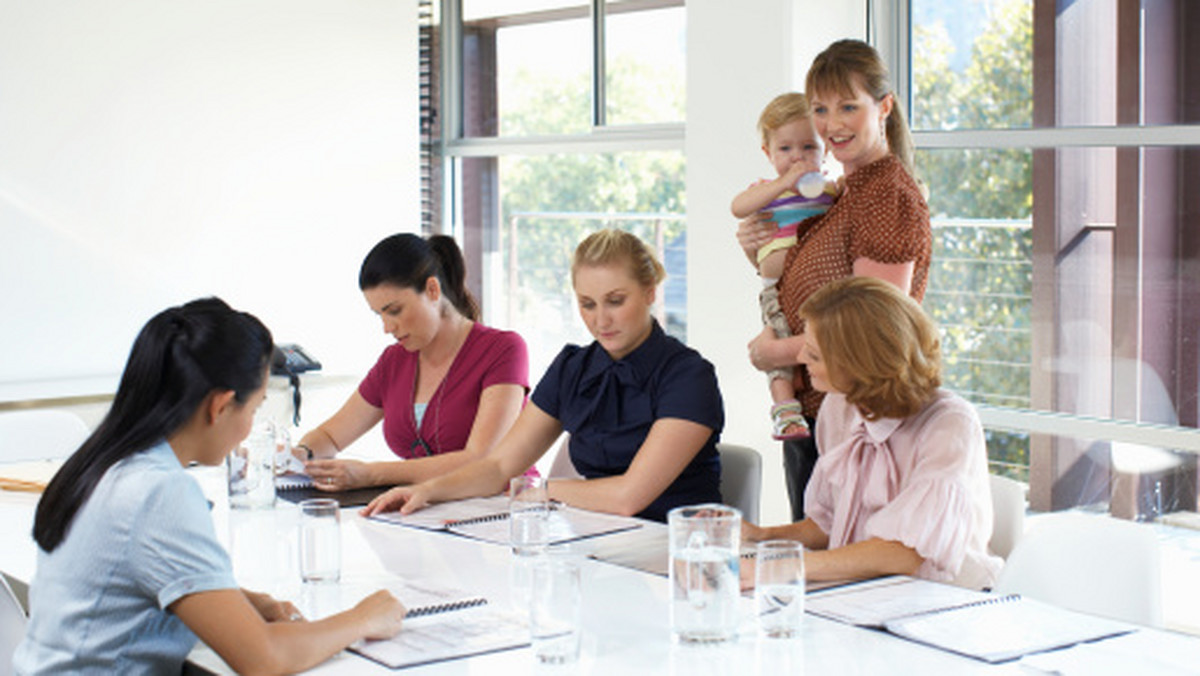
{"type": "Point", "coordinates": [307, 451]}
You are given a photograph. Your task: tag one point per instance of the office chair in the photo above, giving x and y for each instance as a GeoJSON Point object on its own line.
{"type": "Point", "coordinates": [12, 626]}
{"type": "Point", "coordinates": [562, 467]}
{"type": "Point", "coordinates": [741, 478]}
{"type": "Point", "coordinates": [1091, 563]}
{"type": "Point", "coordinates": [1008, 515]}
{"type": "Point", "coordinates": [40, 434]}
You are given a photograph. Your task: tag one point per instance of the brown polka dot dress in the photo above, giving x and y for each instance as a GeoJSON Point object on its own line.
{"type": "Point", "coordinates": [881, 216]}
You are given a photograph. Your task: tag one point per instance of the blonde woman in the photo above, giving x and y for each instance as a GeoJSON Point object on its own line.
{"type": "Point", "coordinates": [643, 410]}
{"type": "Point", "coordinates": [901, 483]}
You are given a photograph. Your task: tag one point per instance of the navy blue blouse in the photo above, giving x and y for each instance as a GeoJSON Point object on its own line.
{"type": "Point", "coordinates": [609, 406]}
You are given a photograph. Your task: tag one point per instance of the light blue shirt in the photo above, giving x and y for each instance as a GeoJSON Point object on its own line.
{"type": "Point", "coordinates": [143, 540]}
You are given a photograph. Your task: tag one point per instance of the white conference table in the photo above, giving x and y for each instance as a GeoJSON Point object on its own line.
{"type": "Point", "coordinates": [625, 612]}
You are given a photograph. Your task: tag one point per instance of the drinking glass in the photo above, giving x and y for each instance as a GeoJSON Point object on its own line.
{"type": "Point", "coordinates": [320, 540]}
{"type": "Point", "coordinates": [779, 587]}
{"type": "Point", "coordinates": [554, 612]}
{"type": "Point", "coordinates": [251, 469]}
{"type": "Point", "coordinates": [528, 515]}
{"type": "Point", "coordinates": [704, 544]}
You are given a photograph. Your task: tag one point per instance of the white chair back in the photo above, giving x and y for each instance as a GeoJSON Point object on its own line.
{"type": "Point", "coordinates": [741, 478]}
{"type": "Point", "coordinates": [562, 467]}
{"type": "Point", "coordinates": [39, 434]}
{"type": "Point", "coordinates": [1008, 515]}
{"type": "Point", "coordinates": [1091, 563]}
{"type": "Point", "coordinates": [12, 627]}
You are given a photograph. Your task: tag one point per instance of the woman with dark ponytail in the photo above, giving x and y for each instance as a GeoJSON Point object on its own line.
{"type": "Point", "coordinates": [129, 571]}
{"type": "Point", "coordinates": [447, 391]}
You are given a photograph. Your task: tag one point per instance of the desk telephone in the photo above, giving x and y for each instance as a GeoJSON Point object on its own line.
{"type": "Point", "coordinates": [291, 359]}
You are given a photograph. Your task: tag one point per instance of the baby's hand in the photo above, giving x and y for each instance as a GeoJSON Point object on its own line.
{"type": "Point", "coordinates": [794, 173]}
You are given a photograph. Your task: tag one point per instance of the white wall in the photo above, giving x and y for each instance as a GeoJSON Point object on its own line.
{"type": "Point", "coordinates": [152, 152]}
{"type": "Point", "coordinates": [740, 55]}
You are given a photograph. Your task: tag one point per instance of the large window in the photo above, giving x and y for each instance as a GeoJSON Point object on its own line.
{"type": "Point", "coordinates": [1058, 141]}
{"type": "Point", "coordinates": [567, 120]}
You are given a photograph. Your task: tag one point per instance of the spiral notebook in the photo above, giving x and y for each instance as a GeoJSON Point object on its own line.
{"type": "Point", "coordinates": [487, 519]}
{"type": "Point", "coordinates": [443, 623]}
{"type": "Point", "coordinates": [426, 640]}
{"type": "Point", "coordinates": [299, 487]}
{"type": "Point", "coordinates": [976, 624]}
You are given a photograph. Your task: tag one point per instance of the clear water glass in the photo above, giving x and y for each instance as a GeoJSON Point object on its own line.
{"type": "Point", "coordinates": [528, 515]}
{"type": "Point", "coordinates": [320, 540]}
{"type": "Point", "coordinates": [779, 588]}
{"type": "Point", "coordinates": [555, 606]}
{"type": "Point", "coordinates": [251, 469]}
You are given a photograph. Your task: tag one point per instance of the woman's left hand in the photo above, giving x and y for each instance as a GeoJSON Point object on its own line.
{"type": "Point", "coordinates": [753, 533]}
{"type": "Point", "coordinates": [763, 351]}
{"type": "Point", "coordinates": [338, 475]}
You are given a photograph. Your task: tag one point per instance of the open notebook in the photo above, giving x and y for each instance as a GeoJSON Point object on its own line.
{"type": "Point", "coordinates": [294, 485]}
{"type": "Point", "coordinates": [984, 626]}
{"type": "Point", "coordinates": [299, 487]}
{"type": "Point", "coordinates": [487, 519]}
{"type": "Point", "coordinates": [443, 623]}
{"type": "Point", "coordinates": [464, 633]}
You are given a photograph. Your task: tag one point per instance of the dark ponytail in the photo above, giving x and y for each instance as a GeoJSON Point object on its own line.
{"type": "Point", "coordinates": [179, 357]}
{"type": "Point", "coordinates": [408, 261]}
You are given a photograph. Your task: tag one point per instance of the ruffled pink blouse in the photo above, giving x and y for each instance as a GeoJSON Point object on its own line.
{"type": "Point", "coordinates": [921, 480]}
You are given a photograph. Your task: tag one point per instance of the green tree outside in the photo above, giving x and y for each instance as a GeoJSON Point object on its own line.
{"type": "Point", "coordinates": [981, 200]}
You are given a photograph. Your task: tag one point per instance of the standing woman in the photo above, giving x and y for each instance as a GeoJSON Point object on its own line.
{"type": "Point", "coordinates": [879, 226]}
{"type": "Point", "coordinates": [129, 570]}
{"type": "Point", "coordinates": [446, 392]}
{"type": "Point", "coordinates": [643, 410]}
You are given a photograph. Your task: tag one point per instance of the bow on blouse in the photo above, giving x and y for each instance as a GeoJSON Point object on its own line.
{"type": "Point", "coordinates": [869, 481]}
{"type": "Point", "coordinates": [603, 391]}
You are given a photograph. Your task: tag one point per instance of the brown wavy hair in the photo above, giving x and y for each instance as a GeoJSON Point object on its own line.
{"type": "Point", "coordinates": [879, 346]}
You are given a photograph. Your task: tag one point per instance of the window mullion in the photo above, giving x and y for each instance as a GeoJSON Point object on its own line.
{"type": "Point", "coordinates": [599, 70]}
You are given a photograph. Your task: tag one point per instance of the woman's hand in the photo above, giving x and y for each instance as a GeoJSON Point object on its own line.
{"type": "Point", "coordinates": [382, 614]}
{"type": "Point", "coordinates": [753, 233]}
{"type": "Point", "coordinates": [753, 533]}
{"type": "Point", "coordinates": [339, 475]}
{"type": "Point", "coordinates": [272, 609]}
{"type": "Point", "coordinates": [768, 351]}
{"type": "Point", "coordinates": [404, 499]}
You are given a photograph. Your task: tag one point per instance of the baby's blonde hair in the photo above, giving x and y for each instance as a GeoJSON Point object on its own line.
{"type": "Point", "coordinates": [610, 247]}
{"type": "Point", "coordinates": [781, 110]}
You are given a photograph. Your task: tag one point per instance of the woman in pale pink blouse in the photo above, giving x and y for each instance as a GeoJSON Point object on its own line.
{"type": "Point", "coordinates": [901, 482]}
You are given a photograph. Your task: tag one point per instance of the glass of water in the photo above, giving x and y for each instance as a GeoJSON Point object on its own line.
{"type": "Point", "coordinates": [705, 588]}
{"type": "Point", "coordinates": [528, 515]}
{"type": "Point", "coordinates": [554, 609]}
{"type": "Point", "coordinates": [320, 540]}
{"type": "Point", "coordinates": [251, 469]}
{"type": "Point", "coordinates": [779, 587]}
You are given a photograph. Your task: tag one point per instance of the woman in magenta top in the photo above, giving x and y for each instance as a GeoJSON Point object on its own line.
{"type": "Point", "coordinates": [901, 483]}
{"type": "Point", "coordinates": [446, 392]}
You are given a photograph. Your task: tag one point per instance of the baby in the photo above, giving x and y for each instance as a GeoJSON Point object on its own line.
{"type": "Point", "coordinates": [791, 143]}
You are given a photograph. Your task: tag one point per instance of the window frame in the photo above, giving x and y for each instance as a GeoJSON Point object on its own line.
{"type": "Point", "coordinates": [895, 47]}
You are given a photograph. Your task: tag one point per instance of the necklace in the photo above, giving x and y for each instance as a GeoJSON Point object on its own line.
{"type": "Point", "coordinates": [434, 403]}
